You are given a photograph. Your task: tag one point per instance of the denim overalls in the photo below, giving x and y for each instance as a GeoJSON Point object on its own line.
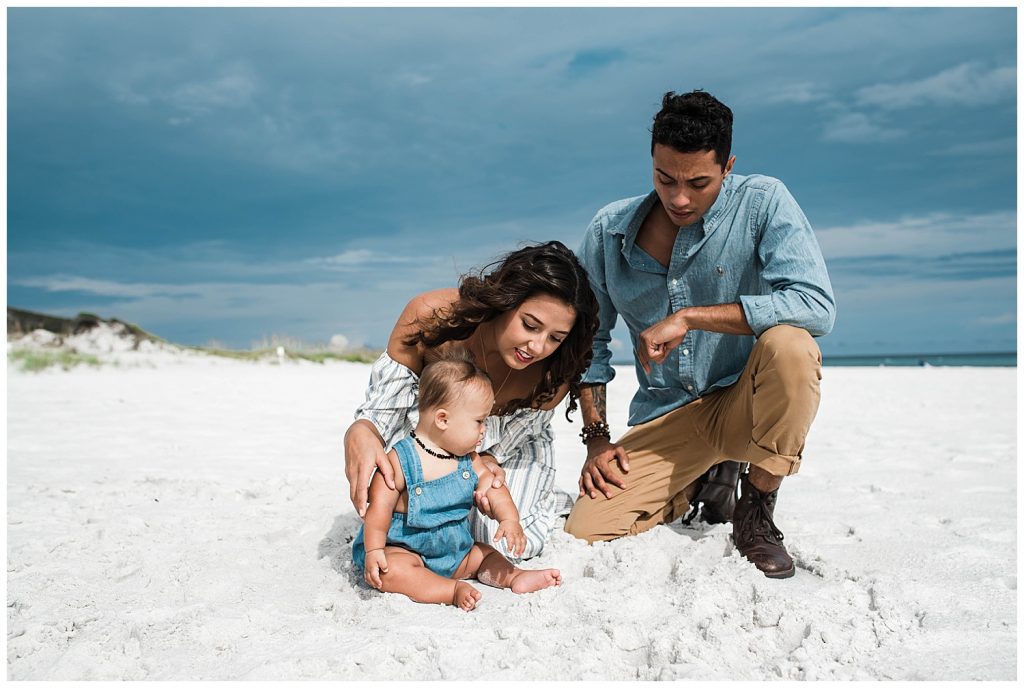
{"type": "Point", "coordinates": [437, 523]}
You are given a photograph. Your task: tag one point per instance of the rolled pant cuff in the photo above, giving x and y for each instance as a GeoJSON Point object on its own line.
{"type": "Point", "coordinates": [776, 464]}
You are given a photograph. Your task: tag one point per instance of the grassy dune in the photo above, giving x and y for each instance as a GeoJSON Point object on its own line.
{"type": "Point", "coordinates": [21, 322]}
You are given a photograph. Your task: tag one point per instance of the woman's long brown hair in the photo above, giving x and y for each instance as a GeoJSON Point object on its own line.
{"type": "Point", "coordinates": [548, 268]}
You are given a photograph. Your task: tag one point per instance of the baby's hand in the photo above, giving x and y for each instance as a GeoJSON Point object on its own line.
{"type": "Point", "coordinates": [376, 564]}
{"type": "Point", "coordinates": [515, 538]}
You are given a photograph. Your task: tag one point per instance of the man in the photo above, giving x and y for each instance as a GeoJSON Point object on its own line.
{"type": "Point", "coordinates": [728, 258]}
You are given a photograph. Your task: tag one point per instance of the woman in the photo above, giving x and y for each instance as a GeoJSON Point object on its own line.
{"type": "Point", "coordinates": [529, 324]}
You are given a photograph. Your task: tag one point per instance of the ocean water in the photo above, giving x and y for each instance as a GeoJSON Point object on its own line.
{"type": "Point", "coordinates": [987, 360]}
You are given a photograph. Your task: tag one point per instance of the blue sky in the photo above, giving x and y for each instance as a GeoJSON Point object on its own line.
{"type": "Point", "coordinates": [232, 174]}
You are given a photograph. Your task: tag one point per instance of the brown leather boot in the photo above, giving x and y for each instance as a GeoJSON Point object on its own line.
{"type": "Point", "coordinates": [755, 534]}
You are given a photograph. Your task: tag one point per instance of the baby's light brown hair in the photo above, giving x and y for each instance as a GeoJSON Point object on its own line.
{"type": "Point", "coordinates": [445, 376]}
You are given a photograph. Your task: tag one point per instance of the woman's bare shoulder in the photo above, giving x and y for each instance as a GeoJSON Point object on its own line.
{"type": "Point", "coordinates": [424, 305]}
{"type": "Point", "coordinates": [420, 307]}
{"type": "Point", "coordinates": [429, 301]}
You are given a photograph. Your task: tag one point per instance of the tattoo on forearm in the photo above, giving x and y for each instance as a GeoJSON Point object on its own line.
{"type": "Point", "coordinates": [601, 401]}
{"type": "Point", "coordinates": [599, 398]}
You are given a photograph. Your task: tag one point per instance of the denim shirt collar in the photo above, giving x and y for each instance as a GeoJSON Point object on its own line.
{"type": "Point", "coordinates": [707, 223]}
{"type": "Point", "coordinates": [714, 214]}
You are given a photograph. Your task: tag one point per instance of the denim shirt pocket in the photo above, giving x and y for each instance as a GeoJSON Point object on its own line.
{"type": "Point", "coordinates": [659, 377]}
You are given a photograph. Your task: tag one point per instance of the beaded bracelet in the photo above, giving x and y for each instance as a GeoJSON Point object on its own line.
{"type": "Point", "coordinates": [596, 429]}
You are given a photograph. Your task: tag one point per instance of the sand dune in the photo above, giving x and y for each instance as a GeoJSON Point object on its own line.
{"type": "Point", "coordinates": [189, 519]}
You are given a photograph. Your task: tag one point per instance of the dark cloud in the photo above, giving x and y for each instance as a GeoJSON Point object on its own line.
{"type": "Point", "coordinates": [265, 148]}
{"type": "Point", "coordinates": [979, 265]}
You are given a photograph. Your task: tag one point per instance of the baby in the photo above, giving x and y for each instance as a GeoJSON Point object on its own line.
{"type": "Point", "coordinates": [416, 539]}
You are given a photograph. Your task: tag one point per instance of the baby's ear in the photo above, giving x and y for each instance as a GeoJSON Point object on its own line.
{"type": "Point", "coordinates": [441, 419]}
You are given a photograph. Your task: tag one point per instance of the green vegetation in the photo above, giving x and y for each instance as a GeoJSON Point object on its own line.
{"type": "Point", "coordinates": [316, 356]}
{"type": "Point", "coordinates": [33, 360]}
{"type": "Point", "coordinates": [294, 350]}
{"type": "Point", "coordinates": [351, 356]}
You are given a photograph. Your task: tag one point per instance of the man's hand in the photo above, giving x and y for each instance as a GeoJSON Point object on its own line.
{"type": "Point", "coordinates": [376, 564]}
{"type": "Point", "coordinates": [659, 339]}
{"type": "Point", "coordinates": [597, 470]}
{"type": "Point", "coordinates": [515, 538]}
{"type": "Point", "coordinates": [363, 453]}
{"type": "Point", "coordinates": [496, 479]}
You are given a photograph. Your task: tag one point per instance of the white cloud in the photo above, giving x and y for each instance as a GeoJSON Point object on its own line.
{"type": "Point", "coordinates": [414, 78]}
{"type": "Point", "coordinates": [358, 258]}
{"type": "Point", "coordinates": [932, 235]}
{"type": "Point", "coordinates": [969, 84]}
{"type": "Point", "coordinates": [993, 147]}
{"type": "Point", "coordinates": [1002, 319]}
{"type": "Point", "coordinates": [157, 84]}
{"type": "Point", "coordinates": [351, 258]}
{"type": "Point", "coordinates": [85, 285]}
{"type": "Point", "coordinates": [229, 90]}
{"type": "Point", "coordinates": [856, 127]}
{"type": "Point", "coordinates": [797, 93]}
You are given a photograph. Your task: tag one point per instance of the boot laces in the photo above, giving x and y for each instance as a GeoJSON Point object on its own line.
{"type": "Point", "coordinates": [757, 521]}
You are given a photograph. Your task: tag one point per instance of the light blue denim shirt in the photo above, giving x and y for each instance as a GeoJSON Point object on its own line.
{"type": "Point", "coordinates": [754, 247]}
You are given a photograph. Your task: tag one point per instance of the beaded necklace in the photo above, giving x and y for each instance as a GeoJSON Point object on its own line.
{"type": "Point", "coordinates": [429, 451]}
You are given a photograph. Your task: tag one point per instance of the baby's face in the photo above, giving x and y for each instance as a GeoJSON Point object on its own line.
{"type": "Point", "coordinates": [467, 418]}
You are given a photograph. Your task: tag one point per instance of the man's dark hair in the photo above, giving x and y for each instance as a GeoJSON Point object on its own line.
{"type": "Point", "coordinates": [694, 122]}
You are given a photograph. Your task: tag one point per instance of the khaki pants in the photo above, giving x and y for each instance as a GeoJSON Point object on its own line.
{"type": "Point", "coordinates": [762, 418]}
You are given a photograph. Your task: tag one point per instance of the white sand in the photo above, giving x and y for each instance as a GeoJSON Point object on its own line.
{"type": "Point", "coordinates": [192, 521]}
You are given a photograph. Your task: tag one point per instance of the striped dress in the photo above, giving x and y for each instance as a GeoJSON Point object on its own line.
{"type": "Point", "coordinates": [520, 442]}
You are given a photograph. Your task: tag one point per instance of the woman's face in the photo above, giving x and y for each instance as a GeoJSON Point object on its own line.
{"type": "Point", "coordinates": [533, 331]}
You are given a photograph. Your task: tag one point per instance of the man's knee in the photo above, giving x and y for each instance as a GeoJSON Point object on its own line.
{"type": "Point", "coordinates": [787, 337]}
{"type": "Point", "coordinates": [579, 527]}
{"type": "Point", "coordinates": [790, 344]}
{"type": "Point", "coordinates": [589, 526]}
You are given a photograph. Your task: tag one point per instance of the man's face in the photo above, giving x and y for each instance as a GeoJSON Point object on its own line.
{"type": "Point", "coordinates": [687, 183]}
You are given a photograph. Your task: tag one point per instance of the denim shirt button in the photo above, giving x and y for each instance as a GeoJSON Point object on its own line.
{"type": "Point", "coordinates": [689, 388]}
{"type": "Point", "coordinates": [686, 352]}
{"type": "Point", "coordinates": [465, 475]}
{"type": "Point", "coordinates": [419, 490]}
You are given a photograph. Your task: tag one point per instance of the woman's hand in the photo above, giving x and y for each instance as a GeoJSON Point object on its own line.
{"type": "Point", "coordinates": [364, 451]}
{"type": "Point", "coordinates": [515, 538]}
{"type": "Point", "coordinates": [376, 564]}
{"type": "Point", "coordinates": [597, 471]}
{"type": "Point", "coordinates": [494, 476]}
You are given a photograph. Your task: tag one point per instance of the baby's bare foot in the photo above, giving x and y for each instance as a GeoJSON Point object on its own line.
{"type": "Point", "coordinates": [466, 596]}
{"type": "Point", "coordinates": [532, 581]}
